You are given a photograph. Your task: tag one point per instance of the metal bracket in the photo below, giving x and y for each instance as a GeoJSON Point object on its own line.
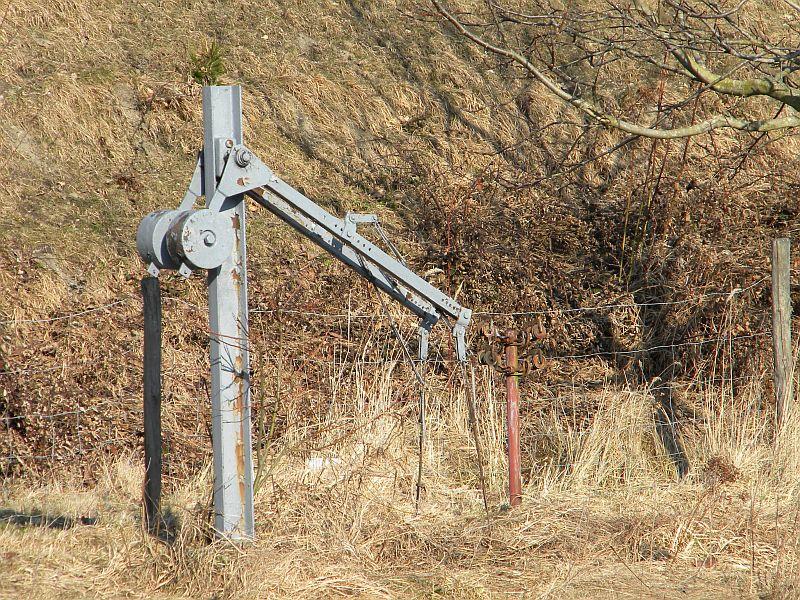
{"type": "Point", "coordinates": [213, 238]}
{"type": "Point", "coordinates": [459, 333]}
{"type": "Point", "coordinates": [240, 175]}
{"type": "Point", "coordinates": [424, 335]}
{"type": "Point", "coordinates": [196, 188]}
{"type": "Point", "coordinates": [352, 220]}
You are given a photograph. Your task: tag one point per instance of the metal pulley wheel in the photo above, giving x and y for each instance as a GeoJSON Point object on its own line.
{"type": "Point", "coordinates": [202, 238]}
{"type": "Point", "coordinates": [151, 239]}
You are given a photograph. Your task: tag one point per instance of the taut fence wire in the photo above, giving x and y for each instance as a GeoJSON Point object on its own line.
{"type": "Point", "coordinates": [72, 438]}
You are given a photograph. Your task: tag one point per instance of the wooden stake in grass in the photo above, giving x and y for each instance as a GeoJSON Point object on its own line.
{"type": "Point", "coordinates": [782, 329]}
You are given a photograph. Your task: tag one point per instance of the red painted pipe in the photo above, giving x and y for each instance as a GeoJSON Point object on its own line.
{"type": "Point", "coordinates": [512, 420]}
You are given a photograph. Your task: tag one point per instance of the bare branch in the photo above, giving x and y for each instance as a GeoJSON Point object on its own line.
{"type": "Point", "coordinates": [599, 115]}
{"type": "Point", "coordinates": [723, 84]}
{"type": "Point", "coordinates": [744, 88]}
{"type": "Point", "coordinates": [794, 5]}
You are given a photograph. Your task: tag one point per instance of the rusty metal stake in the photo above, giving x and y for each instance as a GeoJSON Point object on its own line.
{"type": "Point", "coordinates": [512, 419]}
{"type": "Point", "coordinates": [521, 357]}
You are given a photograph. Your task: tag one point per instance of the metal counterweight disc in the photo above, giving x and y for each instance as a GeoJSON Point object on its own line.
{"type": "Point", "coordinates": [203, 238]}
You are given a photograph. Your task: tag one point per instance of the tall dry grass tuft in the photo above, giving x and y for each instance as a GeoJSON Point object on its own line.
{"type": "Point", "coordinates": [602, 511]}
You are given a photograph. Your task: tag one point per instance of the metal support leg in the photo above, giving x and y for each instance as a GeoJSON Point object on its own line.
{"type": "Point", "coordinates": [151, 295]}
{"type": "Point", "coordinates": [227, 298]}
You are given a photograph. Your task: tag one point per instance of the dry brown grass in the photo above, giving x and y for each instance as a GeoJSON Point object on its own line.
{"type": "Point", "coordinates": [368, 108]}
{"type": "Point", "coordinates": [601, 515]}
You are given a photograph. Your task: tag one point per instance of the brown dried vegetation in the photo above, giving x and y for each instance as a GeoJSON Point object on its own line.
{"type": "Point", "coordinates": [375, 107]}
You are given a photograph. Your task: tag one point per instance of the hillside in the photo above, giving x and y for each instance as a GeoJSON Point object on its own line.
{"type": "Point", "coordinates": [648, 266]}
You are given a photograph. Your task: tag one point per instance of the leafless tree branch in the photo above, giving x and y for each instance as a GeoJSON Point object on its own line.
{"type": "Point", "coordinates": [678, 42]}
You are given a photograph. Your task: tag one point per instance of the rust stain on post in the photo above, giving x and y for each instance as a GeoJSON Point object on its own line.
{"type": "Point", "coordinates": [240, 416]}
{"type": "Point", "coordinates": [239, 382]}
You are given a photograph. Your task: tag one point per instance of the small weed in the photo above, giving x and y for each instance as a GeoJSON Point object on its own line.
{"type": "Point", "coordinates": [207, 65]}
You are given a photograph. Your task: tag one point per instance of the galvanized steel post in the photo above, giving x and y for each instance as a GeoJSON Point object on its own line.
{"type": "Point", "coordinates": [213, 239]}
{"type": "Point", "coordinates": [227, 298]}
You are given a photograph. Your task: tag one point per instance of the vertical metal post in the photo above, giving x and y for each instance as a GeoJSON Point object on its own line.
{"type": "Point", "coordinates": [227, 299]}
{"type": "Point", "coordinates": [782, 329]}
{"type": "Point", "coordinates": [512, 419]}
{"type": "Point", "coordinates": [151, 296]}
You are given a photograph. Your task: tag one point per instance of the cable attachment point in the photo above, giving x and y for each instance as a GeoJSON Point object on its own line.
{"type": "Point", "coordinates": [424, 335]}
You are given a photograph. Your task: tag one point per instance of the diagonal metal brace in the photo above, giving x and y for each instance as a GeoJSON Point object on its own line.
{"type": "Point", "coordinates": [244, 173]}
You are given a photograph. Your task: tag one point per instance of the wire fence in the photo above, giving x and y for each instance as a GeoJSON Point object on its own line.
{"type": "Point", "coordinates": [66, 450]}
{"type": "Point", "coordinates": [134, 299]}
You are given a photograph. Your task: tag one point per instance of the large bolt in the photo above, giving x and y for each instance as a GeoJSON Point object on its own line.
{"type": "Point", "coordinates": [209, 238]}
{"type": "Point", "coordinates": [243, 157]}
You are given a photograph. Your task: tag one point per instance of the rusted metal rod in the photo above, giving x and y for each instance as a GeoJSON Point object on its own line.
{"type": "Point", "coordinates": [512, 419]}
{"type": "Point", "coordinates": [512, 353]}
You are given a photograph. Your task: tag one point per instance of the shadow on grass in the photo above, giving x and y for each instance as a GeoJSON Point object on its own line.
{"type": "Point", "coordinates": [38, 519]}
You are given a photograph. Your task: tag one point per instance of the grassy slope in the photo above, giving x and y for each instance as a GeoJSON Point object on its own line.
{"type": "Point", "coordinates": [366, 109]}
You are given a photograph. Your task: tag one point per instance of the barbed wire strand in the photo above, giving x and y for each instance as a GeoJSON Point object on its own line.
{"type": "Point", "coordinates": [350, 315]}
{"type": "Point", "coordinates": [577, 388]}
{"type": "Point", "coordinates": [80, 313]}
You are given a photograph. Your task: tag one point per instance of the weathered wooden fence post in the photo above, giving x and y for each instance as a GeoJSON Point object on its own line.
{"type": "Point", "coordinates": [783, 376]}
